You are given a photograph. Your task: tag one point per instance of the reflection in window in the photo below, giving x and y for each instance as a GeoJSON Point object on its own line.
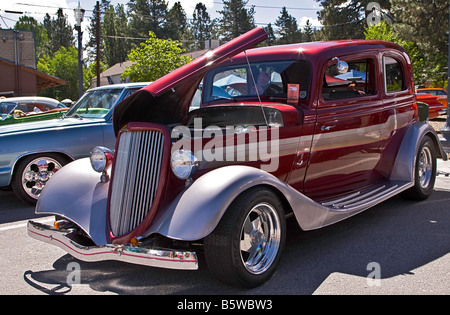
{"type": "Point", "coordinates": [358, 81]}
{"type": "Point", "coordinates": [394, 79]}
{"type": "Point", "coordinates": [264, 79]}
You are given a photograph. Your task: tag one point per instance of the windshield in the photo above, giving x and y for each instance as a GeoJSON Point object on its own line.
{"type": "Point", "coordinates": [95, 104]}
{"type": "Point", "coordinates": [269, 80]}
{"type": "Point", "coordinates": [6, 108]}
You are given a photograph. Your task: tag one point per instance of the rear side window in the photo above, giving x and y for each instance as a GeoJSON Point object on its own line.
{"type": "Point", "coordinates": [358, 81]}
{"type": "Point", "coordinates": [394, 78]}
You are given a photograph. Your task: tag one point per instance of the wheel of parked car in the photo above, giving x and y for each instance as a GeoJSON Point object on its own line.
{"type": "Point", "coordinates": [33, 172]}
{"type": "Point", "coordinates": [245, 248]}
{"type": "Point", "coordinates": [425, 172]}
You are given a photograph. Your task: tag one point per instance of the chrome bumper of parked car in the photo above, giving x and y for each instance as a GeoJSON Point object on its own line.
{"type": "Point", "coordinates": [162, 258]}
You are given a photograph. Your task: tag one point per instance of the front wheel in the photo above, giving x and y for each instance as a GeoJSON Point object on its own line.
{"type": "Point", "coordinates": [245, 248]}
{"type": "Point", "coordinates": [424, 172]}
{"type": "Point", "coordinates": [32, 174]}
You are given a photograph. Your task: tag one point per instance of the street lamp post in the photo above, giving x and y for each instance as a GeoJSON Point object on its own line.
{"type": "Point", "coordinates": [79, 15]}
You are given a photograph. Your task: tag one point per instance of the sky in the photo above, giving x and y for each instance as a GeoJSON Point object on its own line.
{"type": "Point", "coordinates": [267, 11]}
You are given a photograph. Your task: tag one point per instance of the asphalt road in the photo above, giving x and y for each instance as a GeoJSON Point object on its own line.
{"type": "Point", "coordinates": [397, 247]}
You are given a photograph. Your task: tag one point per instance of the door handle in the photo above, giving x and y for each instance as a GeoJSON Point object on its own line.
{"type": "Point", "coordinates": [327, 128]}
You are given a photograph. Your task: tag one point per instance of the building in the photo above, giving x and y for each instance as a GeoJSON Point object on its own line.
{"type": "Point", "coordinates": [18, 65]}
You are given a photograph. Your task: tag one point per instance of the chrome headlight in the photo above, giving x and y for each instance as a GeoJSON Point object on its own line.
{"type": "Point", "coordinates": [101, 159]}
{"type": "Point", "coordinates": [183, 163]}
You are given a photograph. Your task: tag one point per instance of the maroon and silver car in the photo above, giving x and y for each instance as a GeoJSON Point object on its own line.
{"type": "Point", "coordinates": [213, 157]}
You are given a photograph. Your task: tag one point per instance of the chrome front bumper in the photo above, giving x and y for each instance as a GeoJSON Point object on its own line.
{"type": "Point", "coordinates": [162, 258]}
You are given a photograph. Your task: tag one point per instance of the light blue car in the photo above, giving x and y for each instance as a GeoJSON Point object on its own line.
{"type": "Point", "coordinates": [31, 153]}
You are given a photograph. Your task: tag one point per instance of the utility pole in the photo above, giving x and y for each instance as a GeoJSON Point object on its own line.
{"type": "Point", "coordinates": [79, 15]}
{"type": "Point", "coordinates": [97, 35]}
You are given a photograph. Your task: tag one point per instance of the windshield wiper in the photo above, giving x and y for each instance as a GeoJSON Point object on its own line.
{"type": "Point", "coordinates": [216, 97]}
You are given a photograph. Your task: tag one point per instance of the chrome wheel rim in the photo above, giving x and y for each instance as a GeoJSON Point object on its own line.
{"type": "Point", "coordinates": [260, 238]}
{"type": "Point", "coordinates": [425, 167]}
{"type": "Point", "coordinates": [37, 173]}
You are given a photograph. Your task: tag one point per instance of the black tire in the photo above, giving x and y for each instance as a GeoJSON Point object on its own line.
{"type": "Point", "coordinates": [245, 248]}
{"type": "Point", "coordinates": [29, 186]}
{"type": "Point", "coordinates": [424, 172]}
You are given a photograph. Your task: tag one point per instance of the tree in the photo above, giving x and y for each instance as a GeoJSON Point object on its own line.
{"type": "Point", "coordinates": [288, 28]}
{"type": "Point", "coordinates": [308, 32]}
{"type": "Point", "coordinates": [114, 31]}
{"type": "Point", "coordinates": [176, 22]}
{"type": "Point", "coordinates": [59, 31]}
{"type": "Point", "coordinates": [236, 19]}
{"type": "Point", "coordinates": [28, 23]}
{"type": "Point", "coordinates": [345, 19]}
{"type": "Point", "coordinates": [426, 24]}
{"type": "Point", "coordinates": [271, 38]}
{"type": "Point", "coordinates": [201, 24]}
{"type": "Point", "coordinates": [154, 59]}
{"type": "Point", "coordinates": [384, 31]}
{"type": "Point", "coordinates": [63, 64]}
{"type": "Point", "coordinates": [147, 15]}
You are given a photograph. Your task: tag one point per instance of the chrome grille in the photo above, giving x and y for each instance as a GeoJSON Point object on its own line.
{"type": "Point", "coordinates": [136, 177]}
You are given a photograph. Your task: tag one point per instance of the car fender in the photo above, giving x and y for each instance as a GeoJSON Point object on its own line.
{"type": "Point", "coordinates": [76, 193]}
{"type": "Point", "coordinates": [198, 209]}
{"type": "Point", "coordinates": [405, 161]}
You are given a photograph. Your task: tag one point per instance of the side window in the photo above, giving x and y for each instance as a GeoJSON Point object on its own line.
{"type": "Point", "coordinates": [358, 81]}
{"type": "Point", "coordinates": [394, 78]}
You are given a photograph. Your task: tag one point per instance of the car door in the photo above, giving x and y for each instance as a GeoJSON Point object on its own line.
{"type": "Point", "coordinates": [347, 141]}
{"type": "Point", "coordinates": [399, 101]}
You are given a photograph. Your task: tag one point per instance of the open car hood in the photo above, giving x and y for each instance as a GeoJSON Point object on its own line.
{"type": "Point", "coordinates": [167, 100]}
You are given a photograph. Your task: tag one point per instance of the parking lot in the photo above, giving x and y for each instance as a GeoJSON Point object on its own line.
{"type": "Point", "coordinates": [406, 243]}
{"type": "Point", "coordinates": [397, 247]}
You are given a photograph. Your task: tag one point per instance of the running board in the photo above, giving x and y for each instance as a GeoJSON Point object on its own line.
{"type": "Point", "coordinates": [367, 198]}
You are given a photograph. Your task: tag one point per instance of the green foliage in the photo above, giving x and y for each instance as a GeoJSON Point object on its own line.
{"type": "Point", "coordinates": [64, 65]}
{"type": "Point", "coordinates": [384, 31]}
{"type": "Point", "coordinates": [29, 23]}
{"type": "Point", "coordinates": [154, 59]}
{"type": "Point", "coordinates": [288, 28]}
{"type": "Point", "coordinates": [236, 19]}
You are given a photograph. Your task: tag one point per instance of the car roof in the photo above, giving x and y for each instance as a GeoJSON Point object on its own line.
{"type": "Point", "coordinates": [30, 99]}
{"type": "Point", "coordinates": [315, 50]}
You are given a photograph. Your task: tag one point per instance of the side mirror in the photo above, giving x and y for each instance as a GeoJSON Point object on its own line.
{"type": "Point", "coordinates": [341, 66]}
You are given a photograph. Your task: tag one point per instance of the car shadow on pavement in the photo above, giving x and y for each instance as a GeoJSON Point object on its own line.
{"type": "Point", "coordinates": [12, 209]}
{"type": "Point", "coordinates": [399, 235]}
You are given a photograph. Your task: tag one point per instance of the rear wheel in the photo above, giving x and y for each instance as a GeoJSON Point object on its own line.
{"type": "Point", "coordinates": [32, 174]}
{"type": "Point", "coordinates": [425, 172]}
{"type": "Point", "coordinates": [245, 248]}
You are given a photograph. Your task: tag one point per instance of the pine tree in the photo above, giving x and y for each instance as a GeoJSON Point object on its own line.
{"type": "Point", "coordinates": [308, 32]}
{"type": "Point", "coordinates": [236, 19]}
{"type": "Point", "coordinates": [145, 16]}
{"type": "Point", "coordinates": [346, 19]}
{"type": "Point", "coordinates": [288, 28]}
{"type": "Point", "coordinates": [60, 33]}
{"type": "Point", "coordinates": [271, 38]}
{"type": "Point", "coordinates": [176, 23]}
{"type": "Point", "coordinates": [201, 24]}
